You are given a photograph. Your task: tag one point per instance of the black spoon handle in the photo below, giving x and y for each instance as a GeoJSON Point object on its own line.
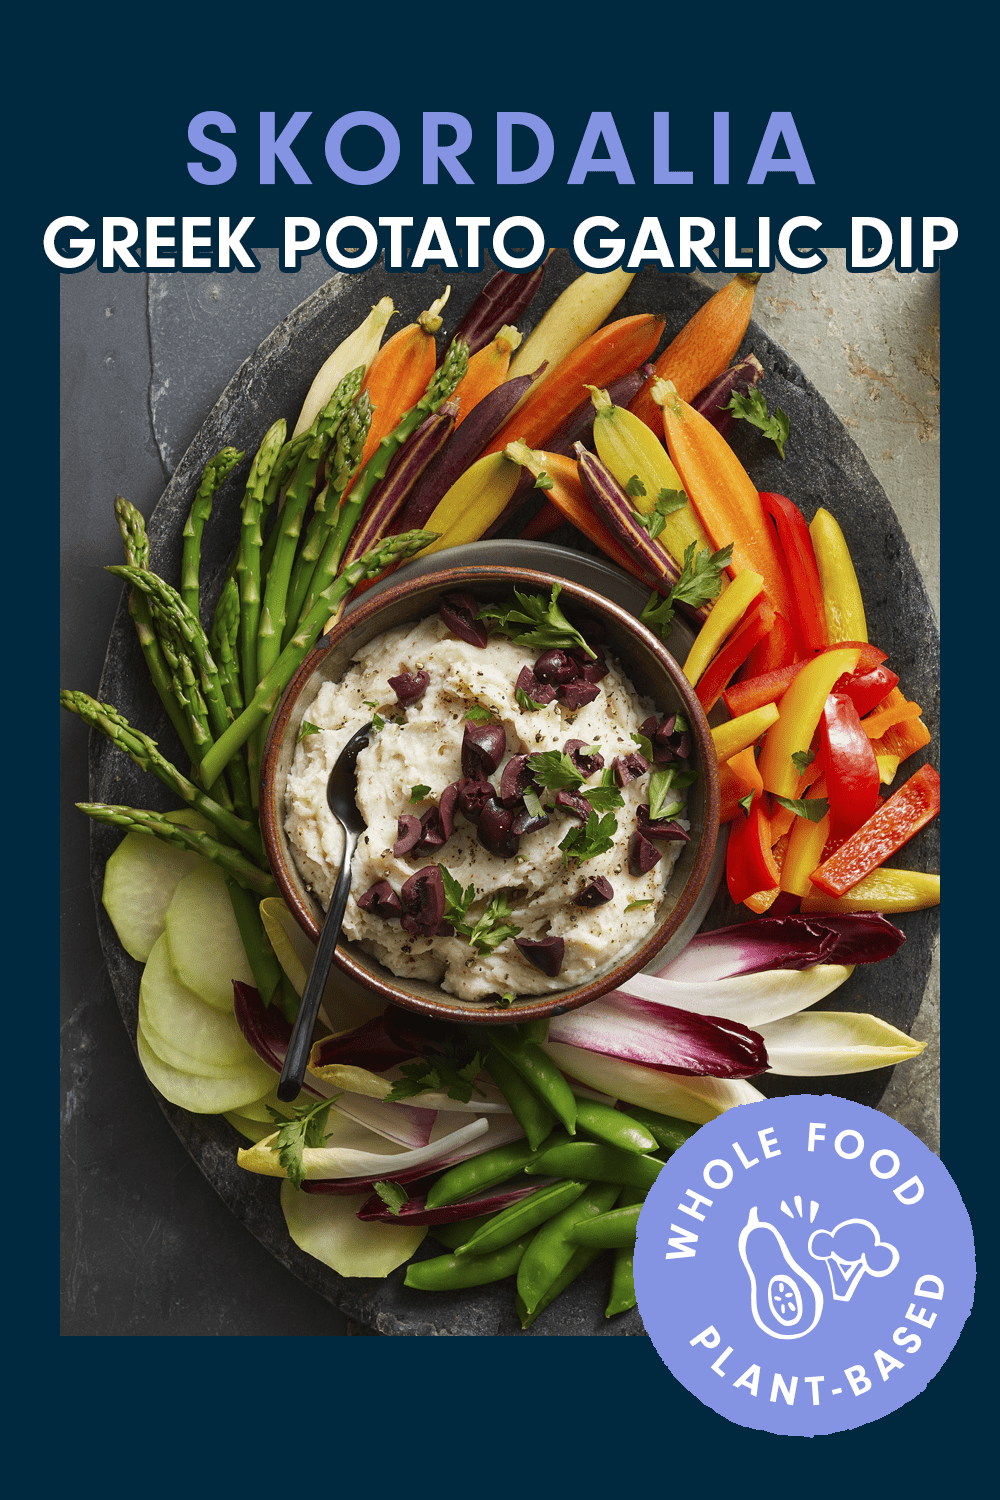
{"type": "Point", "coordinates": [297, 1055]}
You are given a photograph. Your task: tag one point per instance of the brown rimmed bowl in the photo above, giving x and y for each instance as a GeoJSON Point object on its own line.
{"type": "Point", "coordinates": [648, 664]}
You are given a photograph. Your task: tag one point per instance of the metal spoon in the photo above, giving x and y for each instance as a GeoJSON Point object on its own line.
{"type": "Point", "coordinates": [341, 796]}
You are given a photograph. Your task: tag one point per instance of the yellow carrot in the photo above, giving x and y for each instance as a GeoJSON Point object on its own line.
{"type": "Point", "coordinates": [359, 348]}
{"type": "Point", "coordinates": [473, 503]}
{"type": "Point", "coordinates": [577, 313]}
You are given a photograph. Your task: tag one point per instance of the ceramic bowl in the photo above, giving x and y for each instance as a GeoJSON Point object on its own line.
{"type": "Point", "coordinates": [654, 673]}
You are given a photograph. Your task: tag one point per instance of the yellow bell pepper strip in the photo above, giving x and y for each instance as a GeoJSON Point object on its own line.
{"type": "Point", "coordinates": [473, 503]}
{"type": "Point", "coordinates": [842, 602]}
{"type": "Point", "coordinates": [632, 453]}
{"type": "Point", "coordinates": [799, 712]}
{"type": "Point", "coordinates": [883, 890]}
{"type": "Point", "coordinates": [888, 765]}
{"type": "Point", "coordinates": [735, 736]}
{"type": "Point", "coordinates": [726, 614]}
{"type": "Point", "coordinates": [806, 842]}
{"type": "Point", "coordinates": [737, 777]}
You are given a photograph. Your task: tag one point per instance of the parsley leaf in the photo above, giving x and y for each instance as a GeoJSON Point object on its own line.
{"type": "Point", "coordinates": [746, 803]}
{"type": "Point", "coordinates": [378, 723]}
{"type": "Point", "coordinates": [532, 622]}
{"type": "Point", "coordinates": [812, 808]}
{"type": "Point", "coordinates": [635, 905]}
{"type": "Point", "coordinates": [752, 408]}
{"type": "Point", "coordinates": [418, 793]}
{"type": "Point", "coordinates": [596, 838]}
{"type": "Point", "coordinates": [667, 501]}
{"type": "Point", "coordinates": [393, 1195]}
{"type": "Point", "coordinates": [661, 784]}
{"type": "Point", "coordinates": [635, 487]}
{"type": "Point", "coordinates": [532, 802]}
{"type": "Point", "coordinates": [699, 583]}
{"type": "Point", "coordinates": [604, 794]}
{"type": "Point", "coordinates": [645, 746]}
{"type": "Point", "coordinates": [307, 728]}
{"type": "Point", "coordinates": [543, 482]}
{"type": "Point", "coordinates": [803, 758]}
{"type": "Point", "coordinates": [554, 770]}
{"type": "Point", "coordinates": [493, 926]}
{"type": "Point", "coordinates": [456, 901]}
{"type": "Point", "coordinates": [306, 1127]}
{"type": "Point", "coordinates": [478, 714]}
{"type": "Point", "coordinates": [526, 704]}
{"type": "Point", "coordinates": [437, 1075]}
{"type": "Point", "coordinates": [503, 1001]}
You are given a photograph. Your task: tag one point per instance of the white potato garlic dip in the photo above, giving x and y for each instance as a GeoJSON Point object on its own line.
{"type": "Point", "coordinates": [420, 747]}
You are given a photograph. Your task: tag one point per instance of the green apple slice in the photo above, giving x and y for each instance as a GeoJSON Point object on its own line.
{"type": "Point", "coordinates": [205, 1096]}
{"type": "Point", "coordinates": [139, 880]}
{"type": "Point", "coordinates": [203, 1040]}
{"type": "Point", "coordinates": [251, 1130]}
{"type": "Point", "coordinates": [205, 947]}
{"type": "Point", "coordinates": [330, 1231]}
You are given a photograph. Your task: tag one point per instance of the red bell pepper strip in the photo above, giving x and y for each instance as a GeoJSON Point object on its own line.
{"type": "Point", "coordinates": [754, 692]}
{"type": "Point", "coordinates": [738, 776]}
{"type": "Point", "coordinates": [774, 651]}
{"type": "Point", "coordinates": [852, 777]}
{"type": "Point", "coordinates": [888, 829]}
{"type": "Point", "coordinates": [867, 687]}
{"type": "Point", "coordinates": [756, 623]}
{"type": "Point", "coordinates": [796, 543]}
{"type": "Point", "coordinates": [750, 865]}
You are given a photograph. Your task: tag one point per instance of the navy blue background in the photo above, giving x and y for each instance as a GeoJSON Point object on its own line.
{"type": "Point", "coordinates": [892, 116]}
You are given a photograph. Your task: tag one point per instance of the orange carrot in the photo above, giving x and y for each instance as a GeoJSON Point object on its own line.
{"type": "Point", "coordinates": [486, 371]}
{"type": "Point", "coordinates": [543, 523]}
{"type": "Point", "coordinates": [704, 348]}
{"type": "Point", "coordinates": [724, 496]}
{"type": "Point", "coordinates": [605, 356]}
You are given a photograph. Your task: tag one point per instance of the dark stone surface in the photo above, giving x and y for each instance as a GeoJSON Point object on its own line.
{"type": "Point", "coordinates": [823, 467]}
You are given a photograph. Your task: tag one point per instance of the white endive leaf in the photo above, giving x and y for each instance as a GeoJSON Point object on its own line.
{"type": "Point", "coordinates": [336, 1160]}
{"type": "Point", "coordinates": [751, 999]}
{"type": "Point", "coordinates": [394, 1122]}
{"type": "Point", "coordinates": [820, 1044]}
{"type": "Point", "coordinates": [376, 1085]}
{"type": "Point", "coordinates": [328, 1229]}
{"type": "Point", "coordinates": [695, 1099]}
{"type": "Point", "coordinates": [345, 1003]}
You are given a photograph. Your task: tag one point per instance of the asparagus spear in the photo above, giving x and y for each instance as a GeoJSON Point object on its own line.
{"type": "Point", "coordinates": [442, 383]}
{"type": "Point", "coordinates": [391, 549]}
{"type": "Point", "coordinates": [248, 557]}
{"type": "Point", "coordinates": [201, 508]}
{"type": "Point", "coordinates": [222, 638]}
{"type": "Point", "coordinates": [146, 754]}
{"type": "Point", "coordinates": [136, 544]}
{"type": "Point", "coordinates": [141, 820]}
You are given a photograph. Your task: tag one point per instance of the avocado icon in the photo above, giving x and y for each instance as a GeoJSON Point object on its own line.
{"type": "Point", "coordinates": [784, 1299]}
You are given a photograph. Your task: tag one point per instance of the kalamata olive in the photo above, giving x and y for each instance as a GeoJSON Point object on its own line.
{"type": "Point", "coordinates": [595, 893]}
{"type": "Point", "coordinates": [681, 745]}
{"type": "Point", "coordinates": [591, 669]}
{"type": "Point", "coordinates": [516, 777]}
{"type": "Point", "coordinates": [538, 692]}
{"type": "Point", "coordinates": [473, 793]}
{"type": "Point", "coordinates": [629, 767]}
{"type": "Point", "coordinates": [381, 900]}
{"type": "Point", "coordinates": [642, 855]}
{"type": "Point", "coordinates": [496, 829]}
{"type": "Point", "coordinates": [556, 666]}
{"type": "Point", "coordinates": [585, 764]}
{"type": "Point", "coordinates": [459, 611]}
{"type": "Point", "coordinates": [483, 748]}
{"type": "Point", "coordinates": [527, 822]}
{"type": "Point", "coordinates": [664, 830]}
{"type": "Point", "coordinates": [545, 953]}
{"type": "Point", "coordinates": [576, 694]}
{"type": "Point", "coordinates": [446, 808]}
{"type": "Point", "coordinates": [423, 903]}
{"type": "Point", "coordinates": [409, 833]}
{"type": "Point", "coordinates": [432, 835]}
{"type": "Point", "coordinates": [410, 687]}
{"type": "Point", "coordinates": [574, 804]}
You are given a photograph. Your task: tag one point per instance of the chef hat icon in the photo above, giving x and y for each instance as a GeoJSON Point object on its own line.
{"type": "Point", "coordinates": [849, 1250]}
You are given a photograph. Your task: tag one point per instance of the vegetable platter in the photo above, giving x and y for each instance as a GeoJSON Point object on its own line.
{"type": "Point", "coordinates": [821, 467]}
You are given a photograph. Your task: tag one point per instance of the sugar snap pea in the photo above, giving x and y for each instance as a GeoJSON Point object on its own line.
{"type": "Point", "coordinates": [551, 1252]}
{"type": "Point", "coordinates": [480, 1172]}
{"type": "Point", "coordinates": [582, 1257]}
{"type": "Point", "coordinates": [602, 1123]}
{"type": "Point", "coordinates": [444, 1273]}
{"type": "Point", "coordinates": [531, 1113]}
{"type": "Point", "coordinates": [669, 1133]}
{"type": "Point", "coordinates": [521, 1217]}
{"type": "Point", "coordinates": [540, 1074]}
{"type": "Point", "coordinates": [596, 1163]}
{"type": "Point", "coordinates": [614, 1230]}
{"type": "Point", "coordinates": [621, 1293]}
{"type": "Point", "coordinates": [453, 1235]}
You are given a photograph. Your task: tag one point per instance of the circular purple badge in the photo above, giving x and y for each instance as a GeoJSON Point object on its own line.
{"type": "Point", "coordinates": [804, 1265]}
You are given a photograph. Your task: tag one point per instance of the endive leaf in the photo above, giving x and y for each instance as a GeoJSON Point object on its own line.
{"type": "Point", "coordinates": [751, 999]}
{"type": "Point", "coordinates": [795, 941]}
{"type": "Point", "coordinates": [662, 1036]}
{"type": "Point", "coordinates": [823, 1043]}
{"type": "Point", "coordinates": [336, 1160]}
{"type": "Point", "coordinates": [330, 1231]}
{"type": "Point", "coordinates": [345, 1005]}
{"type": "Point", "coordinates": [693, 1099]}
{"type": "Point", "coordinates": [355, 1080]}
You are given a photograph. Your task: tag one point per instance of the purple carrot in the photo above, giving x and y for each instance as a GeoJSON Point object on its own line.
{"type": "Point", "coordinates": [479, 428]}
{"type": "Point", "coordinates": [502, 300]}
{"type": "Point", "coordinates": [715, 397]}
{"type": "Point", "coordinates": [391, 493]}
{"type": "Point", "coordinates": [579, 425]}
{"type": "Point", "coordinates": [618, 513]}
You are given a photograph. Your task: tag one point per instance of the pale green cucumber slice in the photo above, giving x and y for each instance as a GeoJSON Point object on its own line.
{"type": "Point", "coordinates": [205, 947]}
{"type": "Point", "coordinates": [183, 1019]}
{"type": "Point", "coordinates": [139, 880]}
{"type": "Point", "coordinates": [205, 1096]}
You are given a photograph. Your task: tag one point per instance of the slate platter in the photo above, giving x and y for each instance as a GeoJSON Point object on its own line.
{"type": "Point", "coordinates": [823, 467]}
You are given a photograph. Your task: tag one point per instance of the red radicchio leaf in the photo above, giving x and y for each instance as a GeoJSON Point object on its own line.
{"type": "Point", "coordinates": [662, 1037]}
{"type": "Point", "coordinates": [415, 1211]}
{"type": "Point", "coordinates": [796, 941]}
